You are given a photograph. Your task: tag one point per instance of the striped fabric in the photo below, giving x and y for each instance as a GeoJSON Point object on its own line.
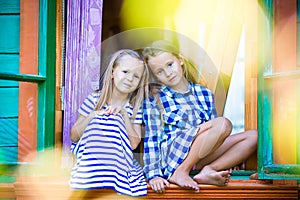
{"type": "Point", "coordinates": [167, 144]}
{"type": "Point", "coordinates": [104, 157]}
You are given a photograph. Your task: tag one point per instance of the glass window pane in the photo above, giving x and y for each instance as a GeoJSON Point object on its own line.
{"type": "Point", "coordinates": [285, 121]}
{"type": "Point", "coordinates": [285, 36]}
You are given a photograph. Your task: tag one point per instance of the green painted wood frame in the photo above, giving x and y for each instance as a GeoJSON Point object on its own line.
{"type": "Point", "coordinates": [267, 169]}
{"type": "Point", "coordinates": [47, 68]}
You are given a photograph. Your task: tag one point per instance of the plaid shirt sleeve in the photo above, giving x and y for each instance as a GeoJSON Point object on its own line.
{"type": "Point", "coordinates": [213, 107]}
{"type": "Point", "coordinates": [153, 129]}
{"type": "Point", "coordinates": [208, 99]}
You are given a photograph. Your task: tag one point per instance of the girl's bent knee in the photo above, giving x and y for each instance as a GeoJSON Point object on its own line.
{"type": "Point", "coordinates": [253, 135]}
{"type": "Point", "coordinates": [226, 125]}
{"type": "Point", "coordinates": [223, 126]}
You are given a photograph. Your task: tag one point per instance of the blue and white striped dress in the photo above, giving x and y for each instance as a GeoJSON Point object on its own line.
{"type": "Point", "coordinates": [104, 157]}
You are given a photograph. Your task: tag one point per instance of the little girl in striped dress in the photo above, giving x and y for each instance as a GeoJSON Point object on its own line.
{"type": "Point", "coordinates": [109, 128]}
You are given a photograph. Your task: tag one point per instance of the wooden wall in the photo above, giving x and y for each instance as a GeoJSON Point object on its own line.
{"type": "Point", "coordinates": [9, 90]}
{"type": "Point", "coordinates": [18, 102]}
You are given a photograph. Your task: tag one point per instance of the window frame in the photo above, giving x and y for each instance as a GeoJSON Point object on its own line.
{"type": "Point", "coordinates": [45, 79]}
{"type": "Point", "coordinates": [267, 169]}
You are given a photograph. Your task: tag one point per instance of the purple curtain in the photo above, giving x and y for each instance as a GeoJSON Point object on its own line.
{"type": "Point", "coordinates": [82, 66]}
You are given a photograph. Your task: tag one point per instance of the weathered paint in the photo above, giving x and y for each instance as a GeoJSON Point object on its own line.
{"type": "Point", "coordinates": [29, 16]}
{"type": "Point", "coordinates": [278, 132]}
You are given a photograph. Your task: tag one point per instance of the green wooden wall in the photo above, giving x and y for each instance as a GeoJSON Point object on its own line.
{"type": "Point", "coordinates": [9, 90]}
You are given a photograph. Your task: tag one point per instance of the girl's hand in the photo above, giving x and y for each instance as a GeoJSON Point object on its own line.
{"type": "Point", "coordinates": [112, 110]}
{"type": "Point", "coordinates": [158, 184]}
{"type": "Point", "coordinates": [96, 112]}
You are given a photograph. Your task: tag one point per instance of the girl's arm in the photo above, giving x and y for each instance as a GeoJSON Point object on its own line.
{"type": "Point", "coordinates": [133, 130]}
{"type": "Point", "coordinates": [86, 113]}
{"type": "Point", "coordinates": [80, 125]}
{"type": "Point", "coordinates": [152, 151]}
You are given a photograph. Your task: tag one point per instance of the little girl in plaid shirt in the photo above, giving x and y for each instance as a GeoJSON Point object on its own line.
{"type": "Point", "coordinates": [182, 129]}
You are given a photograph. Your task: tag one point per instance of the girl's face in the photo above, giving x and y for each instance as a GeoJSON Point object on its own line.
{"type": "Point", "coordinates": [167, 69]}
{"type": "Point", "coordinates": [127, 74]}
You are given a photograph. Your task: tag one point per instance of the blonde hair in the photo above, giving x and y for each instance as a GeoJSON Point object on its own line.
{"type": "Point", "coordinates": [136, 97]}
{"type": "Point", "coordinates": [190, 71]}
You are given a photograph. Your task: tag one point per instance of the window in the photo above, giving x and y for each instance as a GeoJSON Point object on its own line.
{"type": "Point", "coordinates": [27, 79]}
{"type": "Point", "coordinates": [279, 91]}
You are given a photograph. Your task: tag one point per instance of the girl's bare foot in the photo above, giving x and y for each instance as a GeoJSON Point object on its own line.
{"type": "Point", "coordinates": [184, 181]}
{"type": "Point", "coordinates": [212, 177]}
{"type": "Point", "coordinates": [254, 176]}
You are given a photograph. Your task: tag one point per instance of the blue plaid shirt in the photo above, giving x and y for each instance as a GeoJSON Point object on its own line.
{"type": "Point", "coordinates": [168, 137]}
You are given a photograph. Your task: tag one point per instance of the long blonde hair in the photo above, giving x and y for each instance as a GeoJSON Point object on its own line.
{"type": "Point", "coordinates": [136, 97]}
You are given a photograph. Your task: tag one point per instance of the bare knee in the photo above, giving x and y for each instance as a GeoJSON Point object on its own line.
{"type": "Point", "coordinates": [221, 126]}
{"type": "Point", "coordinates": [252, 136]}
{"type": "Point", "coordinates": [226, 126]}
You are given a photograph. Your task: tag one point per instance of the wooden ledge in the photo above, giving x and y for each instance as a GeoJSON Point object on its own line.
{"type": "Point", "coordinates": [58, 189]}
{"type": "Point", "coordinates": [7, 190]}
{"type": "Point", "coordinates": [236, 189]}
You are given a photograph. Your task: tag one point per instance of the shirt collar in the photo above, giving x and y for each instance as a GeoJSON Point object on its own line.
{"type": "Point", "coordinates": [170, 92]}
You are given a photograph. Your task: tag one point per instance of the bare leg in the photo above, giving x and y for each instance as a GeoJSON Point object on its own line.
{"type": "Point", "coordinates": [233, 151]}
{"type": "Point", "coordinates": [210, 136]}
